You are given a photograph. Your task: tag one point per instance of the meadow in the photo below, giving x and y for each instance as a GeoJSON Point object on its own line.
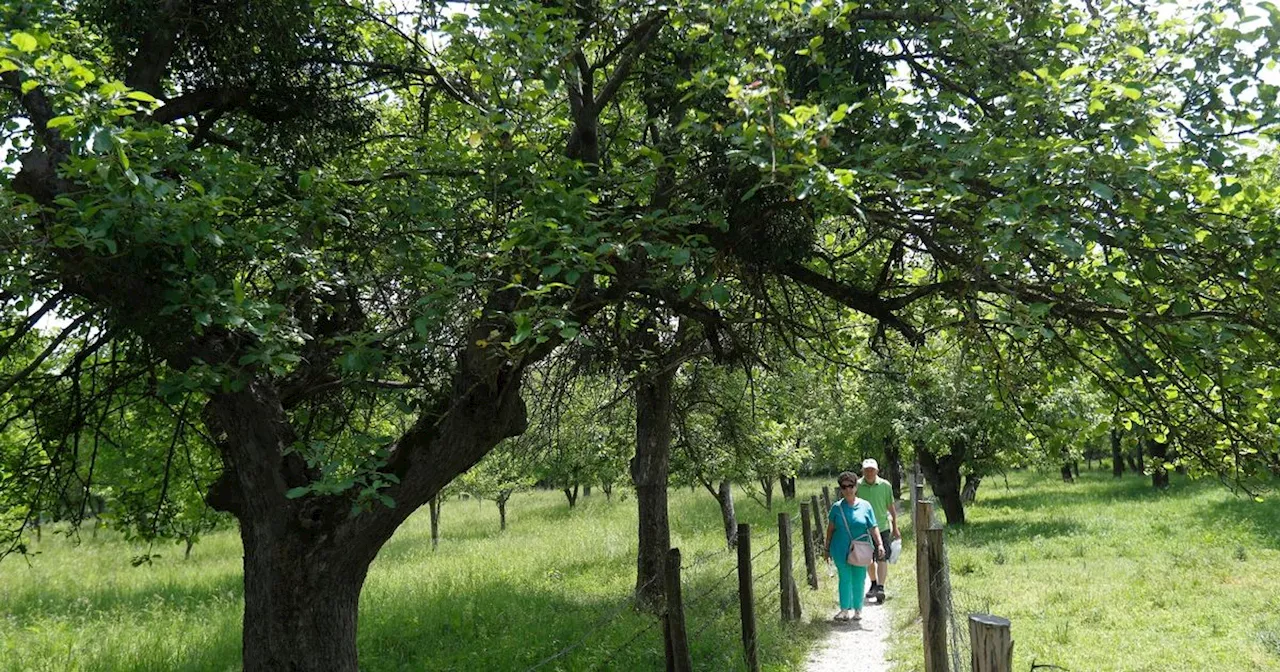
{"type": "Point", "coordinates": [1099, 575]}
{"type": "Point", "coordinates": [1112, 576]}
{"type": "Point", "coordinates": [484, 600]}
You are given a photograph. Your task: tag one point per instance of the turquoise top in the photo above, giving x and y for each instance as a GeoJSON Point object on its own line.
{"type": "Point", "coordinates": [860, 519]}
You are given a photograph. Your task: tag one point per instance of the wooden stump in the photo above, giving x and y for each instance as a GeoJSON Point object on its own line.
{"type": "Point", "coordinates": [991, 642]}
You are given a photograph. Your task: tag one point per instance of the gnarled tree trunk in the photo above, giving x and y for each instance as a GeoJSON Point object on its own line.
{"type": "Point", "coordinates": [970, 492]}
{"type": "Point", "coordinates": [301, 599]}
{"type": "Point", "coordinates": [725, 497]}
{"type": "Point", "coordinates": [944, 475]}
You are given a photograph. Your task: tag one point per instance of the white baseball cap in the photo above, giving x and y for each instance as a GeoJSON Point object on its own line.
{"type": "Point", "coordinates": [870, 463]}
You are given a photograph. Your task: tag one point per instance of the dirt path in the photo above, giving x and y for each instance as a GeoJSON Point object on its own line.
{"type": "Point", "coordinates": [856, 646]}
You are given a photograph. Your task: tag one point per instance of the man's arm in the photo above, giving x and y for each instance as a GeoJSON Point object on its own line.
{"type": "Point", "coordinates": [893, 519]}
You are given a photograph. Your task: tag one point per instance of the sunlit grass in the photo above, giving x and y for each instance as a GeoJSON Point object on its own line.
{"type": "Point", "coordinates": [1110, 576]}
{"type": "Point", "coordinates": [484, 600]}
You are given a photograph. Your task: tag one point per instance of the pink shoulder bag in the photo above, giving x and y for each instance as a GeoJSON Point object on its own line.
{"type": "Point", "coordinates": [861, 553]}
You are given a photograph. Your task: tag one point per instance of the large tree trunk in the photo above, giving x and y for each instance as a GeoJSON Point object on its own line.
{"type": "Point", "coordinates": [608, 491]}
{"type": "Point", "coordinates": [586, 491]}
{"type": "Point", "coordinates": [1159, 455]}
{"type": "Point", "coordinates": [1117, 459]}
{"type": "Point", "coordinates": [300, 602]}
{"type": "Point", "coordinates": [893, 465]}
{"type": "Point", "coordinates": [1066, 473]}
{"type": "Point", "coordinates": [649, 470]}
{"type": "Point", "coordinates": [305, 558]}
{"type": "Point", "coordinates": [725, 497]}
{"type": "Point", "coordinates": [944, 475]}
{"type": "Point", "coordinates": [788, 484]}
{"type": "Point", "coordinates": [1139, 449]}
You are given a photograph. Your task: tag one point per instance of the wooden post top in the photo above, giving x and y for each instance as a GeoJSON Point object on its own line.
{"type": "Point", "coordinates": [988, 619]}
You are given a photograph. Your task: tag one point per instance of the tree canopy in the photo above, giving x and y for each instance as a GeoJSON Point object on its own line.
{"type": "Point", "coordinates": [335, 237]}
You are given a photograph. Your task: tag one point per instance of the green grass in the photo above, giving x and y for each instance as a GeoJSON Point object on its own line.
{"type": "Point", "coordinates": [1110, 576]}
{"type": "Point", "coordinates": [484, 601]}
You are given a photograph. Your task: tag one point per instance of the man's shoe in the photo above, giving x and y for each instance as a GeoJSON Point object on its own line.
{"type": "Point", "coordinates": [879, 591]}
{"type": "Point", "coordinates": [871, 592]}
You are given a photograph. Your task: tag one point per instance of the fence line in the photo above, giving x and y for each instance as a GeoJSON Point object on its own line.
{"type": "Point", "coordinates": [611, 616]}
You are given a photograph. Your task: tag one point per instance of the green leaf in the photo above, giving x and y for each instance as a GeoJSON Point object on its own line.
{"type": "Point", "coordinates": [1102, 191]}
{"type": "Point", "coordinates": [25, 42]}
{"type": "Point", "coordinates": [680, 257]}
{"type": "Point", "coordinates": [1076, 29]}
{"type": "Point", "coordinates": [294, 493]}
{"type": "Point", "coordinates": [64, 120]}
{"type": "Point", "coordinates": [142, 96]}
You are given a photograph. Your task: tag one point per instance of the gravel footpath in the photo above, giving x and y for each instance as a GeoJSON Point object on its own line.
{"type": "Point", "coordinates": [856, 646]}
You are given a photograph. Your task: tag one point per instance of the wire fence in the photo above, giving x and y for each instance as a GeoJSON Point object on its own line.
{"type": "Point", "coordinates": [609, 617]}
{"type": "Point", "coordinates": [721, 583]}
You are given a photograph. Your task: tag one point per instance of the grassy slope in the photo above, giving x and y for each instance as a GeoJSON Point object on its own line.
{"type": "Point", "coordinates": [483, 601]}
{"type": "Point", "coordinates": [1104, 576]}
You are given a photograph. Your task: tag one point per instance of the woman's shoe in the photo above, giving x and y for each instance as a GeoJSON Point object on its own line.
{"type": "Point", "coordinates": [841, 616]}
{"type": "Point", "coordinates": [857, 615]}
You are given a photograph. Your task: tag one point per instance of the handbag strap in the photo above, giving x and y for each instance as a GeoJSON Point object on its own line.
{"type": "Point", "coordinates": [846, 524]}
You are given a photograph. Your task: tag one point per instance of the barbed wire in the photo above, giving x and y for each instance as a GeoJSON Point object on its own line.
{"type": "Point", "coordinates": [715, 584]}
{"type": "Point", "coordinates": [611, 616]}
{"type": "Point", "coordinates": [763, 551]}
{"type": "Point", "coordinates": [720, 612]}
{"type": "Point", "coordinates": [629, 642]}
{"type": "Point", "coordinates": [702, 558]}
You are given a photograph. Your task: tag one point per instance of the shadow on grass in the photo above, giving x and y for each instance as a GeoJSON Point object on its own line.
{"type": "Point", "coordinates": [1091, 486]}
{"type": "Point", "coordinates": [1262, 519]}
{"type": "Point", "coordinates": [1002, 530]}
{"type": "Point", "coordinates": [503, 625]}
{"type": "Point", "coordinates": [51, 601]}
{"type": "Point", "coordinates": [506, 623]}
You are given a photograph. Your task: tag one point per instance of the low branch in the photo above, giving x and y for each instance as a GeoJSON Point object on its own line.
{"type": "Point", "coordinates": [53, 346]}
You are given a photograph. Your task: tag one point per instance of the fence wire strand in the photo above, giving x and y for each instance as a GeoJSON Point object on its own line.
{"type": "Point", "coordinates": [600, 623]}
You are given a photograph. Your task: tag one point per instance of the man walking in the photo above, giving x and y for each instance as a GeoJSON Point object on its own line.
{"type": "Point", "coordinates": [880, 494]}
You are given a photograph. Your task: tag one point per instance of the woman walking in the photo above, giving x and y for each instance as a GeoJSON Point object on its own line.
{"type": "Point", "coordinates": [851, 519]}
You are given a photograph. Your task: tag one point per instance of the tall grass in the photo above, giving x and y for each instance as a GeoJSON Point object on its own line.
{"type": "Point", "coordinates": [1109, 576]}
{"type": "Point", "coordinates": [484, 600]}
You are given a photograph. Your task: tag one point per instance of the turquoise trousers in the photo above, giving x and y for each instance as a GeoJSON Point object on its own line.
{"type": "Point", "coordinates": [853, 581]}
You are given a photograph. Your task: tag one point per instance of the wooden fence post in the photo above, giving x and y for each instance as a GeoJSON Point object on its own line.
{"type": "Point", "coordinates": [810, 558]}
{"type": "Point", "coordinates": [826, 498]}
{"type": "Point", "coordinates": [920, 518]}
{"type": "Point", "coordinates": [747, 598]}
{"type": "Point", "coordinates": [935, 620]}
{"type": "Point", "coordinates": [678, 656]}
{"type": "Point", "coordinates": [991, 643]}
{"type": "Point", "coordinates": [819, 517]}
{"type": "Point", "coordinates": [786, 578]}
